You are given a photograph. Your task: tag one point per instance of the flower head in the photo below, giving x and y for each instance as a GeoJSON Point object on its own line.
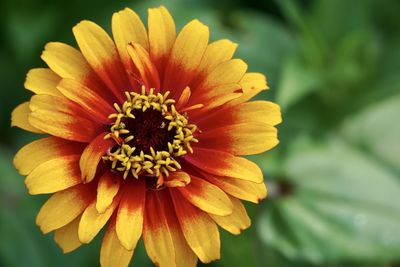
{"type": "Point", "coordinates": [146, 133]}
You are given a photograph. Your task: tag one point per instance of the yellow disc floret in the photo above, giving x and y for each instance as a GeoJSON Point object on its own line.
{"type": "Point", "coordinates": [170, 133]}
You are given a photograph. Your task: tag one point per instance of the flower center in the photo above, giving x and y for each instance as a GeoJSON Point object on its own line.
{"type": "Point", "coordinates": [151, 135]}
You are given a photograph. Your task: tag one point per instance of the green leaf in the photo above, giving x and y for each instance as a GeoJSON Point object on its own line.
{"type": "Point", "coordinates": [377, 130]}
{"type": "Point", "coordinates": [297, 81]}
{"type": "Point", "coordinates": [345, 206]}
{"type": "Point", "coordinates": [238, 250]}
{"type": "Point", "coordinates": [264, 43]}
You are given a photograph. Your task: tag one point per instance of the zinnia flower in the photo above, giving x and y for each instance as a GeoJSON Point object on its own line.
{"type": "Point", "coordinates": [146, 135]}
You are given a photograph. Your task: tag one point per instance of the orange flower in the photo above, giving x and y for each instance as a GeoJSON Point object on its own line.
{"type": "Point", "coordinates": [146, 137]}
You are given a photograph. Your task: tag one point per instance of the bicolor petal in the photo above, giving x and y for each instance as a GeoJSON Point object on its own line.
{"type": "Point", "coordinates": [225, 164]}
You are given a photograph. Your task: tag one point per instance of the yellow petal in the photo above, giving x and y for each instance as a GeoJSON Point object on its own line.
{"type": "Point", "coordinates": [62, 118]}
{"type": "Point", "coordinates": [127, 27]}
{"type": "Point", "coordinates": [254, 81]}
{"type": "Point", "coordinates": [107, 189]}
{"type": "Point", "coordinates": [237, 221]}
{"type": "Point", "coordinates": [199, 229]}
{"type": "Point", "coordinates": [19, 118]}
{"type": "Point", "coordinates": [69, 63]}
{"type": "Point", "coordinates": [162, 34]}
{"type": "Point", "coordinates": [238, 188]}
{"type": "Point", "coordinates": [177, 179]}
{"type": "Point", "coordinates": [252, 84]}
{"type": "Point", "coordinates": [54, 175]}
{"type": "Point", "coordinates": [186, 55]}
{"type": "Point", "coordinates": [67, 236]}
{"type": "Point", "coordinates": [225, 164]}
{"type": "Point", "coordinates": [112, 253]}
{"type": "Point", "coordinates": [241, 139]}
{"type": "Point", "coordinates": [228, 72]}
{"type": "Point", "coordinates": [92, 155]}
{"type": "Point", "coordinates": [63, 125]}
{"type": "Point", "coordinates": [42, 81]}
{"type": "Point", "coordinates": [66, 61]}
{"type": "Point", "coordinates": [184, 98]}
{"type": "Point", "coordinates": [130, 214]}
{"type": "Point", "coordinates": [157, 236]}
{"type": "Point", "coordinates": [184, 255]}
{"type": "Point", "coordinates": [254, 111]}
{"type": "Point", "coordinates": [219, 101]}
{"type": "Point", "coordinates": [92, 221]}
{"type": "Point", "coordinates": [220, 95]}
{"type": "Point", "coordinates": [215, 54]}
{"type": "Point", "coordinates": [147, 70]}
{"type": "Point", "coordinates": [101, 54]}
{"type": "Point", "coordinates": [54, 103]}
{"type": "Point", "coordinates": [86, 98]}
{"type": "Point", "coordinates": [33, 154]}
{"type": "Point", "coordinates": [63, 207]}
{"type": "Point", "coordinates": [207, 197]}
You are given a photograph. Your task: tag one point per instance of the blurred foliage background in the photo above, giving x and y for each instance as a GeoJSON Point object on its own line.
{"type": "Point", "coordinates": [334, 181]}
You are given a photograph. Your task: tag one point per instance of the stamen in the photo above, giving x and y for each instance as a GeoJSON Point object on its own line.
{"type": "Point", "coordinates": [158, 163]}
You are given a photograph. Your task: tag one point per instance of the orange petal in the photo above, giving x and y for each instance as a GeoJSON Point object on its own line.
{"type": "Point", "coordinates": [68, 62]}
{"type": "Point", "coordinates": [147, 71]}
{"type": "Point", "coordinates": [62, 118]}
{"type": "Point", "coordinates": [56, 104]}
{"type": "Point", "coordinates": [42, 150]}
{"type": "Point", "coordinates": [237, 221]}
{"type": "Point", "coordinates": [156, 233]}
{"type": "Point", "coordinates": [20, 118]}
{"type": "Point", "coordinates": [177, 179]}
{"type": "Point", "coordinates": [162, 34]}
{"type": "Point", "coordinates": [184, 255]}
{"type": "Point", "coordinates": [127, 27]}
{"type": "Point", "coordinates": [107, 189]}
{"type": "Point", "coordinates": [199, 229]}
{"type": "Point", "coordinates": [218, 101]}
{"type": "Point", "coordinates": [215, 97]}
{"type": "Point", "coordinates": [207, 197]}
{"type": "Point", "coordinates": [241, 139]}
{"type": "Point", "coordinates": [54, 175]}
{"type": "Point", "coordinates": [63, 207]}
{"type": "Point", "coordinates": [185, 56]}
{"type": "Point", "coordinates": [100, 52]}
{"type": "Point", "coordinates": [241, 189]}
{"type": "Point", "coordinates": [63, 125]}
{"type": "Point", "coordinates": [86, 98]}
{"type": "Point", "coordinates": [130, 214]}
{"type": "Point", "coordinates": [162, 236]}
{"type": "Point", "coordinates": [67, 236]}
{"type": "Point", "coordinates": [42, 81]}
{"type": "Point", "coordinates": [91, 156]}
{"type": "Point", "coordinates": [225, 164]}
{"type": "Point", "coordinates": [92, 221]}
{"type": "Point", "coordinates": [254, 111]}
{"type": "Point", "coordinates": [252, 84]}
{"type": "Point", "coordinates": [112, 253]}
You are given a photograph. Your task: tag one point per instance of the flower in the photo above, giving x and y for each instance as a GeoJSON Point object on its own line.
{"type": "Point", "coordinates": [146, 132]}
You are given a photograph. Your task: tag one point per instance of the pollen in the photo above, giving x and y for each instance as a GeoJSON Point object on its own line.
{"type": "Point", "coordinates": [151, 135]}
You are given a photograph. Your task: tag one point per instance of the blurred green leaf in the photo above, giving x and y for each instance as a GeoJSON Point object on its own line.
{"type": "Point", "coordinates": [296, 82]}
{"type": "Point", "coordinates": [377, 130]}
{"type": "Point", "coordinates": [264, 43]}
{"type": "Point", "coordinates": [345, 205]}
{"type": "Point", "coordinates": [238, 250]}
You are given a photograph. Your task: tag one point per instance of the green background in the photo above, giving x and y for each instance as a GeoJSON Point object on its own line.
{"type": "Point", "coordinates": [334, 180]}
